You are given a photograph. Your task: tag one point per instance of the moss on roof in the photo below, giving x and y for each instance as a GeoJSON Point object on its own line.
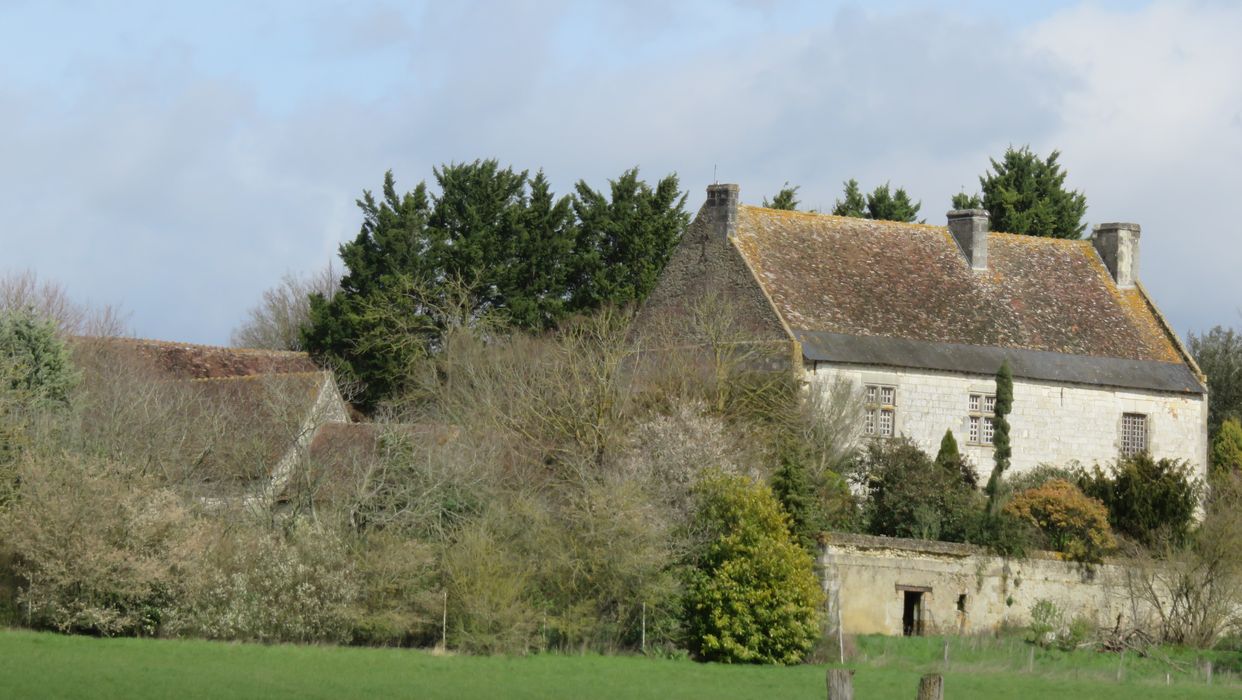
{"type": "Point", "coordinates": [884, 278]}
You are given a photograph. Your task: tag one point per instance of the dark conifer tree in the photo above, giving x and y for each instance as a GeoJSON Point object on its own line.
{"type": "Point", "coordinates": [1026, 194]}
{"type": "Point", "coordinates": [1001, 451]}
{"type": "Point", "coordinates": [786, 199]}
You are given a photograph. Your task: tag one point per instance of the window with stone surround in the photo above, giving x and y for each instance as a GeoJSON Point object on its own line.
{"type": "Point", "coordinates": [881, 410]}
{"type": "Point", "coordinates": [981, 425]}
{"type": "Point", "coordinates": [1133, 434]}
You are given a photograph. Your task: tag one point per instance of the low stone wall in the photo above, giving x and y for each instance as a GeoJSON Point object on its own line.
{"type": "Point", "coordinates": [959, 589]}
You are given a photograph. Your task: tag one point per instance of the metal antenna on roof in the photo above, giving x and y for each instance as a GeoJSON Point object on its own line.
{"type": "Point", "coordinates": [714, 180]}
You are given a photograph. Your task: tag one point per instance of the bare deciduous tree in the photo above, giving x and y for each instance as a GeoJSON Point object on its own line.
{"type": "Point", "coordinates": [1195, 593]}
{"type": "Point", "coordinates": [20, 291]}
{"type": "Point", "coordinates": [275, 323]}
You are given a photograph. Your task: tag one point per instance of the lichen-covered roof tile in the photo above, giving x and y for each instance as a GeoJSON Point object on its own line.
{"type": "Point", "coordinates": [883, 278]}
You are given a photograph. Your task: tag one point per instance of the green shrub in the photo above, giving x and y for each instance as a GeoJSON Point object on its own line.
{"type": "Point", "coordinates": [491, 609]}
{"type": "Point", "coordinates": [911, 496]}
{"type": "Point", "coordinates": [399, 602]}
{"type": "Point", "coordinates": [1040, 475]}
{"type": "Point", "coordinates": [1046, 621]}
{"type": "Point", "coordinates": [1150, 501]}
{"type": "Point", "coordinates": [751, 595]}
{"type": "Point", "coordinates": [41, 367]}
{"type": "Point", "coordinates": [1079, 631]}
{"type": "Point", "coordinates": [1226, 454]}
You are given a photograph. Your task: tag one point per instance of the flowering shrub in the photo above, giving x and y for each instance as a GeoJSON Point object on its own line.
{"type": "Point", "coordinates": [261, 586]}
{"type": "Point", "coordinates": [96, 548]}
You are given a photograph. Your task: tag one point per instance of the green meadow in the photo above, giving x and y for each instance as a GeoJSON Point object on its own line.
{"type": "Point", "coordinates": [42, 665]}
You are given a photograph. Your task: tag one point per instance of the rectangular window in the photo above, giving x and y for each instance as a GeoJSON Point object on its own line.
{"type": "Point", "coordinates": [982, 409]}
{"type": "Point", "coordinates": [881, 410]}
{"type": "Point", "coordinates": [1133, 434]}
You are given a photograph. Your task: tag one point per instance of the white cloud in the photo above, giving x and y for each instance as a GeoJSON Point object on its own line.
{"type": "Point", "coordinates": [173, 186]}
{"type": "Point", "coordinates": [1152, 132]}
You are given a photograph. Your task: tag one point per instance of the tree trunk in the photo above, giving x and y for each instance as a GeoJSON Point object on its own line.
{"type": "Point", "coordinates": [840, 684]}
{"type": "Point", "coordinates": [931, 687]}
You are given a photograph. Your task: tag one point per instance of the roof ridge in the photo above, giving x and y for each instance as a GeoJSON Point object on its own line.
{"type": "Point", "coordinates": [188, 345]}
{"type": "Point", "coordinates": [913, 224]}
{"type": "Point", "coordinates": [256, 377]}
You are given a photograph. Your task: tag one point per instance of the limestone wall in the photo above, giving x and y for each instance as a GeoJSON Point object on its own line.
{"type": "Point", "coordinates": [868, 577]}
{"type": "Point", "coordinates": [1050, 423]}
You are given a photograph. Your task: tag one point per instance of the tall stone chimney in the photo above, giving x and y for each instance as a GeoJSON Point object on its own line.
{"type": "Point", "coordinates": [721, 209]}
{"type": "Point", "coordinates": [1118, 245]}
{"type": "Point", "coordinates": [970, 229]}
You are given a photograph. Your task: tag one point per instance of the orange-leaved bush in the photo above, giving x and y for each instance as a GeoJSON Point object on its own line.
{"type": "Point", "coordinates": [1071, 522]}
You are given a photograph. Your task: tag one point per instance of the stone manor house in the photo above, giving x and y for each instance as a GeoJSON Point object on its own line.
{"type": "Point", "coordinates": [919, 319]}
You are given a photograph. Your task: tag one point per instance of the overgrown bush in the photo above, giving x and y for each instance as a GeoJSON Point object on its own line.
{"type": "Point", "coordinates": [262, 586]}
{"type": "Point", "coordinates": [399, 600]}
{"type": "Point", "coordinates": [1039, 475]}
{"type": "Point", "coordinates": [1069, 521]}
{"type": "Point", "coordinates": [1226, 455]}
{"type": "Point", "coordinates": [911, 496]}
{"type": "Point", "coordinates": [490, 604]}
{"type": "Point", "coordinates": [751, 593]}
{"type": "Point", "coordinates": [1150, 501]}
{"type": "Point", "coordinates": [97, 547]}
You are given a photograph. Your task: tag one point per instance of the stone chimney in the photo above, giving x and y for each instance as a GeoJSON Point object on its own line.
{"type": "Point", "coordinates": [970, 229]}
{"type": "Point", "coordinates": [721, 209]}
{"type": "Point", "coordinates": [1118, 245]}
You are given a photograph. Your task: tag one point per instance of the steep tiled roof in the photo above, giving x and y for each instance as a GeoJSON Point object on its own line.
{"type": "Point", "coordinates": [861, 277]}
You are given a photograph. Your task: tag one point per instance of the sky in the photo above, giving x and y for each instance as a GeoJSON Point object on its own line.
{"type": "Point", "coordinates": [177, 159]}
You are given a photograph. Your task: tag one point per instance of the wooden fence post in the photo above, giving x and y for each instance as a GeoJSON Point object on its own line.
{"type": "Point", "coordinates": [931, 687]}
{"type": "Point", "coordinates": [840, 684]}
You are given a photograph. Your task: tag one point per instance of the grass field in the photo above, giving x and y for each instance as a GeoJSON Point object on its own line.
{"type": "Point", "coordinates": [40, 665]}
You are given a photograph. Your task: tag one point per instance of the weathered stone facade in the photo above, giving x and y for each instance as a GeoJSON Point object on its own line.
{"type": "Point", "coordinates": [929, 313]}
{"type": "Point", "coordinates": [1051, 423]}
{"type": "Point", "coordinates": [960, 589]}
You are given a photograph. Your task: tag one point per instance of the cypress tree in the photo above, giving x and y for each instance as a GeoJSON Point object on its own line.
{"type": "Point", "coordinates": [1001, 451]}
{"type": "Point", "coordinates": [948, 456]}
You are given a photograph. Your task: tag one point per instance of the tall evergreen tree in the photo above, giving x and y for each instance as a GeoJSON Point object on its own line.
{"type": "Point", "coordinates": [793, 488]}
{"type": "Point", "coordinates": [883, 203]}
{"type": "Point", "coordinates": [624, 240]}
{"type": "Point", "coordinates": [961, 200]}
{"type": "Point", "coordinates": [492, 243]}
{"type": "Point", "coordinates": [1001, 451]}
{"type": "Point", "coordinates": [786, 199]}
{"type": "Point", "coordinates": [1026, 194]}
{"type": "Point", "coordinates": [888, 205]}
{"type": "Point", "coordinates": [1219, 354]}
{"type": "Point", "coordinates": [853, 204]}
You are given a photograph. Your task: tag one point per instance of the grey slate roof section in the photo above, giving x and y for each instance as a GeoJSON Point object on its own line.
{"type": "Point", "coordinates": [976, 359]}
